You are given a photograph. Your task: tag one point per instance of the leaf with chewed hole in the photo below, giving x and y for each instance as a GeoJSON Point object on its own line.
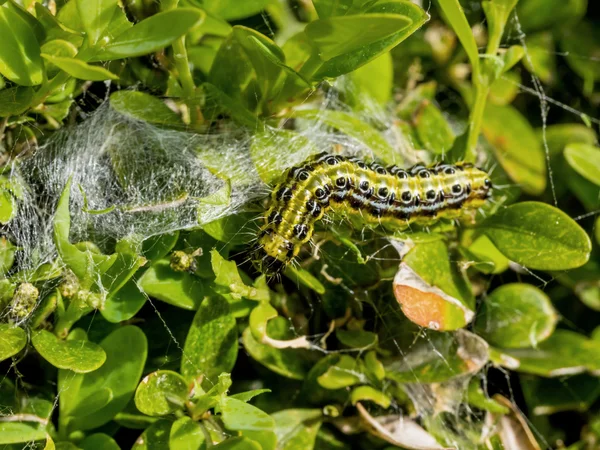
{"type": "Point", "coordinates": [431, 291]}
{"type": "Point", "coordinates": [538, 236]}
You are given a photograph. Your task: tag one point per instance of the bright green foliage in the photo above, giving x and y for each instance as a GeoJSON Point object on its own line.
{"type": "Point", "coordinates": [171, 339]}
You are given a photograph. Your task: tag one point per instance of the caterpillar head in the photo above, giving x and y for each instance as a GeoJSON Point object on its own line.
{"type": "Point", "coordinates": [480, 185]}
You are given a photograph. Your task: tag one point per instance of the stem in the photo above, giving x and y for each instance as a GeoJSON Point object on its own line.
{"type": "Point", "coordinates": [47, 88]}
{"type": "Point", "coordinates": [182, 65]}
{"type": "Point", "coordinates": [476, 118]}
{"type": "Point", "coordinates": [185, 77]}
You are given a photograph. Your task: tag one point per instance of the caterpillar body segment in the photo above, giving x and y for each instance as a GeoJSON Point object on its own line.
{"type": "Point", "coordinates": [369, 194]}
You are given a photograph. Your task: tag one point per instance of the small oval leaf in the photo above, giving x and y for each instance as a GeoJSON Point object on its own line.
{"type": "Point", "coordinates": [160, 393]}
{"type": "Point", "coordinates": [538, 236]}
{"type": "Point", "coordinates": [80, 356]}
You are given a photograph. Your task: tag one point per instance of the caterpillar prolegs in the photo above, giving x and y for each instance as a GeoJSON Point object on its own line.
{"type": "Point", "coordinates": [391, 197]}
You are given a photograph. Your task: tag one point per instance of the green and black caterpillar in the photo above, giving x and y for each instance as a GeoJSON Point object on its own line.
{"type": "Point", "coordinates": [371, 194]}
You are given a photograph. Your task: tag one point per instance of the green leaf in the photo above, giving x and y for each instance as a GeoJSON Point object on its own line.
{"type": "Point", "coordinates": [20, 59]}
{"type": "Point", "coordinates": [125, 303]}
{"type": "Point", "coordinates": [580, 43]}
{"type": "Point", "coordinates": [7, 255]}
{"type": "Point", "coordinates": [155, 437]}
{"type": "Point", "coordinates": [374, 80]}
{"type": "Point", "coordinates": [15, 100]}
{"type": "Point", "coordinates": [86, 265]}
{"type": "Point", "coordinates": [297, 429]}
{"type": "Point", "coordinates": [217, 101]}
{"type": "Point", "coordinates": [180, 289]}
{"type": "Point", "coordinates": [12, 340]}
{"type": "Point", "coordinates": [186, 434]}
{"type": "Point", "coordinates": [477, 397]}
{"type": "Point", "coordinates": [538, 236]}
{"type": "Point", "coordinates": [151, 34]}
{"type": "Point", "coordinates": [343, 373]}
{"type": "Point", "coordinates": [95, 16]}
{"type": "Point", "coordinates": [543, 14]}
{"type": "Point", "coordinates": [79, 69]}
{"type": "Point", "coordinates": [249, 395]}
{"type": "Point", "coordinates": [430, 289]}
{"type": "Point", "coordinates": [356, 339]}
{"type": "Point", "coordinates": [234, 229]}
{"type": "Point", "coordinates": [304, 277]}
{"type": "Point", "coordinates": [433, 129]}
{"type": "Point", "coordinates": [541, 56]}
{"type": "Point", "coordinates": [17, 432]}
{"type": "Point", "coordinates": [504, 89]}
{"type": "Point", "coordinates": [496, 13]}
{"type": "Point", "coordinates": [355, 128]}
{"type": "Point", "coordinates": [229, 279]}
{"type": "Point", "coordinates": [142, 106]}
{"type": "Point", "coordinates": [80, 356]}
{"type": "Point", "coordinates": [160, 393]}
{"type": "Point", "coordinates": [516, 315]}
{"type": "Point", "coordinates": [368, 393]}
{"type": "Point", "coordinates": [233, 9]}
{"type": "Point", "coordinates": [546, 396]}
{"type": "Point", "coordinates": [99, 440]}
{"type": "Point", "coordinates": [516, 147]}
{"type": "Point", "coordinates": [347, 43]}
{"type": "Point", "coordinates": [241, 416]}
{"type": "Point", "coordinates": [331, 8]}
{"type": "Point", "coordinates": [157, 247]}
{"type": "Point", "coordinates": [453, 14]}
{"type": "Point", "coordinates": [120, 374]}
{"type": "Point", "coordinates": [484, 256]}
{"type": "Point", "coordinates": [563, 353]}
{"type": "Point", "coordinates": [560, 135]}
{"type": "Point", "coordinates": [585, 159]}
{"type": "Point", "coordinates": [8, 207]}
{"type": "Point", "coordinates": [336, 36]}
{"type": "Point", "coordinates": [211, 345]}
{"type": "Point", "coordinates": [238, 443]}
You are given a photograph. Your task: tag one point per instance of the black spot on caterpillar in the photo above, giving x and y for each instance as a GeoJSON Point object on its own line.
{"type": "Point", "coordinates": [389, 197]}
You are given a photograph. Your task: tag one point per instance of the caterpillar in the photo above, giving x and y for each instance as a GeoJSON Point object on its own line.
{"type": "Point", "coordinates": [390, 197]}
